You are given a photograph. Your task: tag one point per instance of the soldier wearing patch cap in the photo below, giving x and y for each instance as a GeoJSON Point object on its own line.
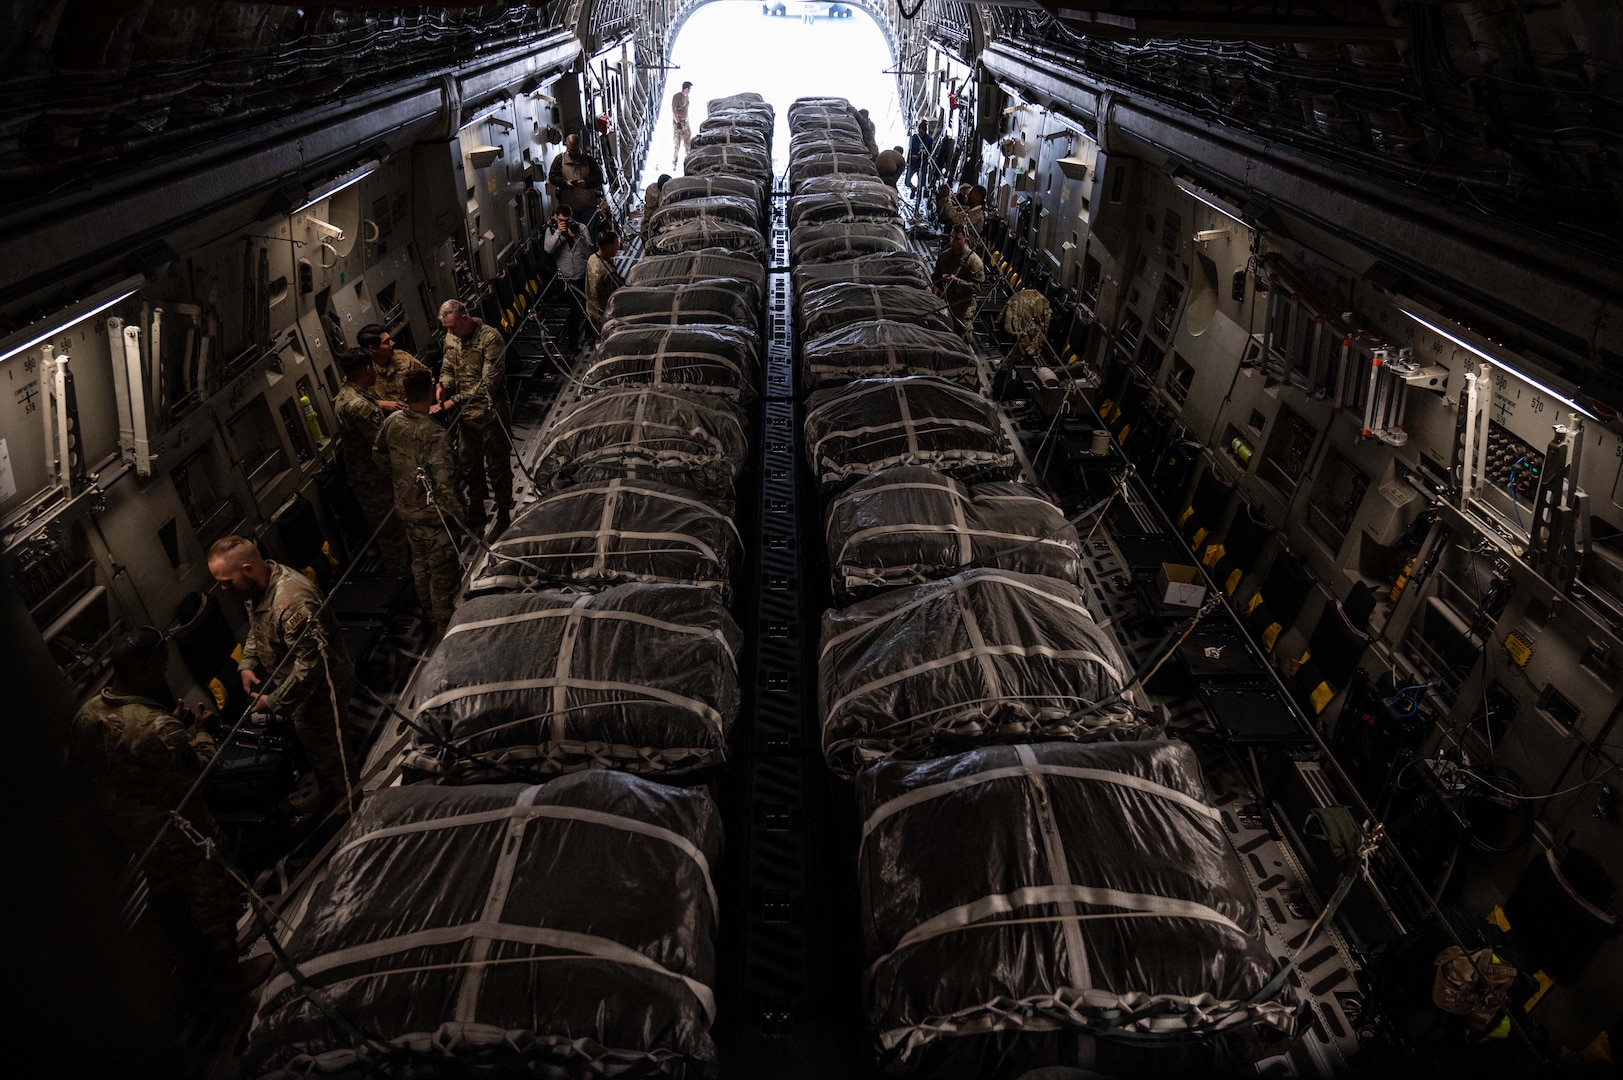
{"type": "Point", "coordinates": [416, 455]}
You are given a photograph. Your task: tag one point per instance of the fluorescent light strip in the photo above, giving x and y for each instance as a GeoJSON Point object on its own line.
{"type": "Point", "coordinates": [71, 322]}
{"type": "Point", "coordinates": [353, 178]}
{"type": "Point", "coordinates": [1498, 363]}
{"type": "Point", "coordinates": [486, 115]}
{"type": "Point", "coordinates": [1201, 195]}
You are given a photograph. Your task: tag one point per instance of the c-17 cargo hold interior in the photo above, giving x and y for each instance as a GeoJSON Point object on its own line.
{"type": "Point", "coordinates": [1129, 585]}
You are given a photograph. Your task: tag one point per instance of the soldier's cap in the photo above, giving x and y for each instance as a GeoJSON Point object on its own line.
{"type": "Point", "coordinates": [138, 644]}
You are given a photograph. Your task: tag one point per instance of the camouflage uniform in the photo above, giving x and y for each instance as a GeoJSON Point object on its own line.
{"type": "Point", "coordinates": [359, 417]}
{"type": "Point", "coordinates": [1026, 316]}
{"type": "Point", "coordinates": [275, 622]}
{"type": "Point", "coordinates": [473, 374]}
{"type": "Point", "coordinates": [601, 281]}
{"type": "Point", "coordinates": [408, 442]}
{"type": "Point", "coordinates": [390, 384]}
{"type": "Point", "coordinates": [681, 134]}
{"type": "Point", "coordinates": [142, 762]}
{"type": "Point", "coordinates": [961, 295]}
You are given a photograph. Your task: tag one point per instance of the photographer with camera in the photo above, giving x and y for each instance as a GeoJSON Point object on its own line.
{"type": "Point", "coordinates": [570, 244]}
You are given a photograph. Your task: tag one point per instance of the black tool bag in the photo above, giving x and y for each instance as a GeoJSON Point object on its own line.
{"type": "Point", "coordinates": [255, 772]}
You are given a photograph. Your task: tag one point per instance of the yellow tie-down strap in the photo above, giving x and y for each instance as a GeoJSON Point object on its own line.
{"type": "Point", "coordinates": [1209, 557]}
{"type": "Point", "coordinates": [1187, 511]}
{"type": "Point", "coordinates": [1233, 581]}
{"type": "Point", "coordinates": [1251, 604]}
{"type": "Point", "coordinates": [1270, 636]}
{"type": "Point", "coordinates": [1321, 696]}
{"type": "Point", "coordinates": [1200, 534]}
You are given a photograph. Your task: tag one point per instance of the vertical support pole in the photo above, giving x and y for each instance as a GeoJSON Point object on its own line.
{"type": "Point", "coordinates": [121, 388]}
{"type": "Point", "coordinates": [135, 368]}
{"type": "Point", "coordinates": [64, 427]}
{"type": "Point", "coordinates": [54, 468]}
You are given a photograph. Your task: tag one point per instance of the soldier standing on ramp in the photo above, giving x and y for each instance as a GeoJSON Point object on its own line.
{"type": "Point", "coordinates": [681, 136]}
{"type": "Point", "coordinates": [414, 450]}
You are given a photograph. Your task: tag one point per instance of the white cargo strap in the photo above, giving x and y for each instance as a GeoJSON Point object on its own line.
{"type": "Point", "coordinates": [501, 881]}
{"type": "Point", "coordinates": [979, 913]}
{"type": "Point", "coordinates": [523, 810]}
{"type": "Point", "coordinates": [1059, 868]}
{"type": "Point", "coordinates": [982, 653]}
{"type": "Point", "coordinates": [562, 611]}
{"type": "Point", "coordinates": [558, 724]}
{"type": "Point", "coordinates": [605, 525]}
{"type": "Point", "coordinates": [1104, 776]}
{"type": "Point", "coordinates": [693, 705]}
{"type": "Point", "coordinates": [585, 946]}
{"type": "Point", "coordinates": [954, 584]}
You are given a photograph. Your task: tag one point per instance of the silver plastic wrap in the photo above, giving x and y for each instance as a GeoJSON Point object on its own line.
{"type": "Point", "coordinates": [637, 677]}
{"type": "Point", "coordinates": [711, 300]}
{"type": "Point", "coordinates": [983, 656]}
{"type": "Point", "coordinates": [731, 135]}
{"type": "Point", "coordinates": [686, 267]}
{"type": "Point", "coordinates": [910, 524]}
{"type": "Point", "coordinates": [597, 535]}
{"type": "Point", "coordinates": [695, 441]}
{"type": "Point", "coordinates": [750, 161]}
{"type": "Point", "coordinates": [809, 209]}
{"type": "Point", "coordinates": [706, 232]}
{"type": "Point", "coordinates": [882, 349]}
{"type": "Point", "coordinates": [829, 164]}
{"type": "Point", "coordinates": [865, 426]}
{"type": "Point", "coordinates": [1023, 890]}
{"type": "Point", "coordinates": [881, 268]}
{"type": "Point", "coordinates": [562, 930]}
{"type": "Point", "coordinates": [744, 99]}
{"type": "Point", "coordinates": [683, 188]}
{"type": "Point", "coordinates": [738, 118]}
{"type": "Point", "coordinates": [845, 240]}
{"type": "Point", "coordinates": [849, 186]}
{"type": "Point", "coordinates": [829, 307]}
{"type": "Point", "coordinates": [815, 104]}
{"type": "Point", "coordinates": [703, 358]}
{"type": "Point", "coordinates": [811, 144]}
{"type": "Point", "coordinates": [735, 208]}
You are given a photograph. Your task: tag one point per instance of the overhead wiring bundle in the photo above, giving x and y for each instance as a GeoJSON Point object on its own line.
{"type": "Point", "coordinates": [1016, 891]}
{"type": "Point", "coordinates": [561, 930]}
{"type": "Point", "coordinates": [984, 655]}
{"type": "Point", "coordinates": [636, 677]}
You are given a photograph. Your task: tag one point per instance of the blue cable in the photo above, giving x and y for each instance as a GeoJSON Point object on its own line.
{"type": "Point", "coordinates": [1514, 505]}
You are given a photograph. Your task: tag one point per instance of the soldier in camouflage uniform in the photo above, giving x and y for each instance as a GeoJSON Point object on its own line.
{"type": "Point", "coordinates": [473, 380]}
{"type": "Point", "coordinates": [601, 280]}
{"type": "Point", "coordinates": [287, 620]}
{"type": "Point", "coordinates": [360, 414]}
{"type": "Point", "coordinates": [416, 452]}
{"type": "Point", "coordinates": [959, 275]}
{"type": "Point", "coordinates": [391, 364]}
{"type": "Point", "coordinates": [143, 756]}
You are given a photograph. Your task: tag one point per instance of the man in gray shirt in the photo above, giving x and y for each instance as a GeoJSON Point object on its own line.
{"type": "Point", "coordinates": [570, 245]}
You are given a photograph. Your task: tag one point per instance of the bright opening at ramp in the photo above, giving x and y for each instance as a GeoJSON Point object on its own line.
{"type": "Point", "coordinates": [730, 47]}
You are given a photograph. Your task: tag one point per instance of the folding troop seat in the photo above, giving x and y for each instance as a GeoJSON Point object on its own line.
{"type": "Point", "coordinates": [1334, 649]}
{"type": "Point", "coordinates": [1277, 603]}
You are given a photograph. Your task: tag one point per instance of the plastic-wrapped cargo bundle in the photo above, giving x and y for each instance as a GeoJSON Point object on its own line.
{"type": "Point", "coordinates": [597, 535]}
{"type": "Point", "coordinates": [695, 441]}
{"type": "Point", "coordinates": [729, 119]}
{"type": "Point", "coordinates": [707, 232]}
{"type": "Point", "coordinates": [828, 164]}
{"type": "Point", "coordinates": [561, 930]}
{"type": "Point", "coordinates": [731, 135]}
{"type": "Point", "coordinates": [708, 358]}
{"type": "Point", "coordinates": [809, 209]}
{"type": "Point", "coordinates": [639, 677]}
{"type": "Point", "coordinates": [883, 349]}
{"type": "Point", "coordinates": [686, 267]}
{"type": "Point", "coordinates": [683, 188]}
{"type": "Point", "coordinates": [983, 656]}
{"type": "Point", "coordinates": [750, 161]}
{"type": "Point", "coordinates": [845, 240]}
{"type": "Point", "coordinates": [735, 208]}
{"type": "Point", "coordinates": [712, 300]}
{"type": "Point", "coordinates": [829, 307]}
{"type": "Point", "coordinates": [881, 268]}
{"type": "Point", "coordinates": [817, 104]}
{"type": "Point", "coordinates": [811, 144]}
{"type": "Point", "coordinates": [744, 99]}
{"type": "Point", "coordinates": [1016, 897]}
{"type": "Point", "coordinates": [870, 424]}
{"type": "Point", "coordinates": [850, 186]}
{"type": "Point", "coordinates": [910, 524]}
